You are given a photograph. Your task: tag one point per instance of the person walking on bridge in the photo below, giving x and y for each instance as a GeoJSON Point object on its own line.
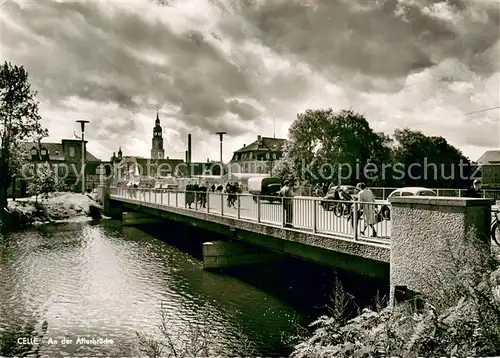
{"type": "Point", "coordinates": [367, 197]}
{"type": "Point", "coordinates": [286, 193]}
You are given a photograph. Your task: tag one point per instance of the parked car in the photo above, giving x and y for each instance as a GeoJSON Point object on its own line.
{"type": "Point", "coordinates": [267, 187]}
{"type": "Point", "coordinates": [407, 191]}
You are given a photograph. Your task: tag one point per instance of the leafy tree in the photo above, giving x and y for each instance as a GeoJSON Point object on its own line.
{"type": "Point", "coordinates": [19, 121]}
{"type": "Point", "coordinates": [430, 161]}
{"type": "Point", "coordinates": [283, 168]}
{"type": "Point", "coordinates": [327, 146]}
{"type": "Point", "coordinates": [44, 182]}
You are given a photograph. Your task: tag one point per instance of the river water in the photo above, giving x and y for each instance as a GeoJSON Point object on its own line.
{"type": "Point", "coordinates": [103, 280]}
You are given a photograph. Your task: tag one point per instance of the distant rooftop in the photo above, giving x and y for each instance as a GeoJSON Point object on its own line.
{"type": "Point", "coordinates": [56, 151]}
{"type": "Point", "coordinates": [490, 157]}
{"type": "Point", "coordinates": [263, 144]}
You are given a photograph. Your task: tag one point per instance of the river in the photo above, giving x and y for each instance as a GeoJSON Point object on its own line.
{"type": "Point", "coordinates": [104, 280]}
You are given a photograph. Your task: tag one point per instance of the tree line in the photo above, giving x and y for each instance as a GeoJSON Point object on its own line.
{"type": "Point", "coordinates": [19, 121]}
{"type": "Point", "coordinates": [327, 146]}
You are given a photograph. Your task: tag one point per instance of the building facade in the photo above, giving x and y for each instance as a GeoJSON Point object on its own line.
{"type": "Point", "coordinates": [258, 157]}
{"type": "Point", "coordinates": [64, 159]}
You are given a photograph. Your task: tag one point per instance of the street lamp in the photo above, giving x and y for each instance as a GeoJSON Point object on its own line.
{"type": "Point", "coordinates": [82, 123]}
{"type": "Point", "coordinates": [221, 136]}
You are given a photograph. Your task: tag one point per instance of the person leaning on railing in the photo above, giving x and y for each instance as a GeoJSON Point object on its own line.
{"type": "Point", "coordinates": [474, 191]}
{"type": "Point", "coordinates": [286, 193]}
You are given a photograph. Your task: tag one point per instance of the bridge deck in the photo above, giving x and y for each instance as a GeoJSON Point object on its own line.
{"type": "Point", "coordinates": [308, 215]}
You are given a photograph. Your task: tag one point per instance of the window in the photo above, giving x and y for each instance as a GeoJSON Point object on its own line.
{"type": "Point", "coordinates": [43, 152]}
{"type": "Point", "coordinates": [72, 152]}
{"type": "Point", "coordinates": [250, 155]}
{"type": "Point", "coordinates": [426, 193]}
{"type": "Point", "coordinates": [274, 155]}
{"type": "Point", "coordinates": [267, 156]}
{"type": "Point", "coordinates": [406, 193]}
{"type": "Point", "coordinates": [34, 151]}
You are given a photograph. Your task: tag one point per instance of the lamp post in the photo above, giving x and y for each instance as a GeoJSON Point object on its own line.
{"type": "Point", "coordinates": [82, 123]}
{"type": "Point", "coordinates": [221, 136]}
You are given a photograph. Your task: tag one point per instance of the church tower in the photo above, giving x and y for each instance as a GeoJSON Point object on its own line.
{"type": "Point", "coordinates": [157, 151]}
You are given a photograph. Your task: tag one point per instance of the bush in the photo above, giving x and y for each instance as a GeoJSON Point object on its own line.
{"type": "Point", "coordinates": [470, 327]}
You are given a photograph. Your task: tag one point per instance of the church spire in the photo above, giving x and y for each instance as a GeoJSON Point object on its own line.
{"type": "Point", "coordinates": [157, 122]}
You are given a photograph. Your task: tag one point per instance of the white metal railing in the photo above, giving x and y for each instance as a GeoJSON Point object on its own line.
{"type": "Point", "coordinates": [349, 219]}
{"type": "Point", "coordinates": [382, 193]}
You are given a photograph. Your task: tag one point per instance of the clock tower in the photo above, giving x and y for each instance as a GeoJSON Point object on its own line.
{"type": "Point", "coordinates": [157, 151]}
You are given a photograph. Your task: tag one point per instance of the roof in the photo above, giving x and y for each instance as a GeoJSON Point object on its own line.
{"type": "Point", "coordinates": [412, 189]}
{"type": "Point", "coordinates": [266, 144]}
{"type": "Point", "coordinates": [490, 157]}
{"type": "Point", "coordinates": [56, 151]}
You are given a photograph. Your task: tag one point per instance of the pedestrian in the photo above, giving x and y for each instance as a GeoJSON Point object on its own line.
{"type": "Point", "coordinates": [203, 195]}
{"type": "Point", "coordinates": [189, 195]}
{"type": "Point", "coordinates": [475, 190]}
{"type": "Point", "coordinates": [367, 200]}
{"type": "Point", "coordinates": [286, 193]}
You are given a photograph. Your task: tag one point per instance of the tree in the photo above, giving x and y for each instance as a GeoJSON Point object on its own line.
{"type": "Point", "coordinates": [19, 121]}
{"type": "Point", "coordinates": [430, 161]}
{"type": "Point", "coordinates": [283, 168]}
{"type": "Point", "coordinates": [44, 182]}
{"type": "Point", "coordinates": [327, 146]}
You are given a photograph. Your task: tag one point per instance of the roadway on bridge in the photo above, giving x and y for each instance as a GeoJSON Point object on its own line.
{"type": "Point", "coordinates": [270, 213]}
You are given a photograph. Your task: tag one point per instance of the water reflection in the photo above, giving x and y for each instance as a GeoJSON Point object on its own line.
{"type": "Point", "coordinates": [108, 281]}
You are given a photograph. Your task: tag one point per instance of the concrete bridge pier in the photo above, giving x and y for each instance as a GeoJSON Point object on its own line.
{"type": "Point", "coordinates": [436, 244]}
{"type": "Point", "coordinates": [137, 218]}
{"type": "Point", "coordinates": [110, 208]}
{"type": "Point", "coordinates": [224, 254]}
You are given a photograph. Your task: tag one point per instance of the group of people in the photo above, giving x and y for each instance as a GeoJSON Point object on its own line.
{"type": "Point", "coordinates": [196, 192]}
{"type": "Point", "coordinates": [232, 189]}
{"type": "Point", "coordinates": [199, 192]}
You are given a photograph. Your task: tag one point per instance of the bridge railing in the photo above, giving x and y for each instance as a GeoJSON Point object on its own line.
{"type": "Point", "coordinates": [349, 219]}
{"type": "Point", "coordinates": [381, 193]}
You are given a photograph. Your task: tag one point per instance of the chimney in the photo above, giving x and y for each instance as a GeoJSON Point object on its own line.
{"type": "Point", "coordinates": [244, 145]}
{"type": "Point", "coordinates": [187, 157]}
{"type": "Point", "coordinates": [189, 148]}
{"type": "Point", "coordinates": [259, 138]}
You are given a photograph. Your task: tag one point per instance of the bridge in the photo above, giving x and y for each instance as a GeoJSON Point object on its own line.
{"type": "Point", "coordinates": [317, 235]}
{"type": "Point", "coordinates": [420, 233]}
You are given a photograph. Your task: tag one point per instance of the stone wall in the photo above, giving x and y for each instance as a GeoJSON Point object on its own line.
{"type": "Point", "coordinates": [434, 240]}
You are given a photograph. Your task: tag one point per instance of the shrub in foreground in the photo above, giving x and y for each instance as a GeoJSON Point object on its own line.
{"type": "Point", "coordinates": [470, 327]}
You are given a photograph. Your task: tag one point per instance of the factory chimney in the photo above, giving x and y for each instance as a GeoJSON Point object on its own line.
{"type": "Point", "coordinates": [187, 157]}
{"type": "Point", "coordinates": [189, 148]}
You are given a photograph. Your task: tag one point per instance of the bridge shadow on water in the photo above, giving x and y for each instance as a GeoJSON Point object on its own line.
{"type": "Point", "coordinates": [304, 285]}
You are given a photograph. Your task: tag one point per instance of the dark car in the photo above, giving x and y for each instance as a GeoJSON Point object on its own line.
{"type": "Point", "coordinates": [266, 187]}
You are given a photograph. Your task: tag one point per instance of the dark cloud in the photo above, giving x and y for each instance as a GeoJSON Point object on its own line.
{"type": "Point", "coordinates": [255, 59]}
{"type": "Point", "coordinates": [243, 110]}
{"type": "Point", "coordinates": [388, 39]}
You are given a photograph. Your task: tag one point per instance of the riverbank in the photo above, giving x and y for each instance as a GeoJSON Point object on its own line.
{"type": "Point", "coordinates": [470, 327]}
{"type": "Point", "coordinates": [57, 207]}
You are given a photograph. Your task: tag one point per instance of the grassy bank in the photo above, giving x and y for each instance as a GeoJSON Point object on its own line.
{"type": "Point", "coordinates": [57, 207]}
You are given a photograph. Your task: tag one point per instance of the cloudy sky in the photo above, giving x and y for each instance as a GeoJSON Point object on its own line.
{"type": "Point", "coordinates": [236, 65]}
